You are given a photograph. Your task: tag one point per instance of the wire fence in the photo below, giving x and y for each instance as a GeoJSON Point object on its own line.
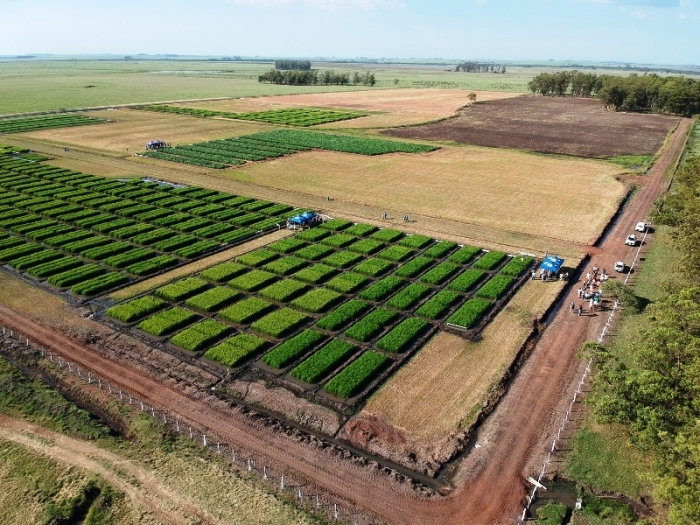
{"type": "Point", "coordinates": [304, 495]}
{"type": "Point", "coordinates": [577, 393]}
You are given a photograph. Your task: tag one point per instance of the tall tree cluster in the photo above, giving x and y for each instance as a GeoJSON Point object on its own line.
{"type": "Point", "coordinates": [639, 93]}
{"type": "Point", "coordinates": [299, 65]}
{"type": "Point", "coordinates": [480, 67]}
{"type": "Point", "coordinates": [314, 77]}
{"type": "Point", "coordinates": [658, 397]}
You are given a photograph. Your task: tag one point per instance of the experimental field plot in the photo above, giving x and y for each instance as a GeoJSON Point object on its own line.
{"type": "Point", "coordinates": [63, 120]}
{"type": "Point", "coordinates": [302, 117]}
{"type": "Point", "coordinates": [88, 234]}
{"type": "Point", "coordinates": [333, 310]}
{"type": "Point", "coordinates": [220, 154]}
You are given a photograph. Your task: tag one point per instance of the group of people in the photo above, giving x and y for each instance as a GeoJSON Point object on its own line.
{"type": "Point", "coordinates": [591, 290]}
{"type": "Point", "coordinates": [385, 217]}
{"type": "Point", "coordinates": [549, 275]}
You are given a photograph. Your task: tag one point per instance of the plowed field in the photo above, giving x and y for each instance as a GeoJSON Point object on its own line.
{"type": "Point", "coordinates": [568, 126]}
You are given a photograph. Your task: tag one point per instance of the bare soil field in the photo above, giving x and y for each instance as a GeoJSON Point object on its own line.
{"type": "Point", "coordinates": [134, 129]}
{"type": "Point", "coordinates": [564, 199]}
{"type": "Point", "coordinates": [395, 107]}
{"type": "Point", "coordinates": [568, 126]}
{"type": "Point", "coordinates": [421, 415]}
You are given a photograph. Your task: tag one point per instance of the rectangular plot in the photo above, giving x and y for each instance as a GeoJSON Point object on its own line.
{"type": "Point", "coordinates": [130, 257]}
{"type": "Point", "coordinates": [212, 300]}
{"type": "Point", "coordinates": [285, 265]}
{"type": "Point", "coordinates": [373, 267]}
{"type": "Point", "coordinates": [469, 312]}
{"type": "Point", "coordinates": [224, 271]}
{"type": "Point", "coordinates": [315, 274]}
{"type": "Point", "coordinates": [183, 289]}
{"type": "Point", "coordinates": [439, 274]}
{"type": "Point", "coordinates": [409, 296]}
{"type": "Point", "coordinates": [246, 311]}
{"type": "Point", "coordinates": [438, 305]}
{"type": "Point", "coordinates": [168, 321]}
{"type": "Point", "coordinates": [317, 300]}
{"type": "Point", "coordinates": [465, 281]}
{"type": "Point", "coordinates": [280, 322]}
{"type": "Point", "coordinates": [153, 265]}
{"type": "Point", "coordinates": [292, 348]}
{"type": "Point", "coordinates": [284, 290]}
{"type": "Point", "coordinates": [253, 280]}
{"type": "Point", "coordinates": [136, 309]}
{"type": "Point", "coordinates": [395, 253]}
{"type": "Point", "coordinates": [200, 335]}
{"type": "Point", "coordinates": [76, 275]}
{"type": "Point", "coordinates": [102, 252]}
{"type": "Point", "coordinates": [382, 289]}
{"type": "Point", "coordinates": [495, 287]}
{"type": "Point", "coordinates": [35, 259]}
{"type": "Point", "coordinates": [347, 282]}
{"type": "Point", "coordinates": [361, 230]}
{"type": "Point", "coordinates": [237, 349]}
{"type": "Point", "coordinates": [196, 249]}
{"type": "Point", "coordinates": [257, 258]}
{"type": "Point", "coordinates": [54, 267]}
{"type": "Point", "coordinates": [371, 324]}
{"type": "Point", "coordinates": [99, 284]}
{"type": "Point", "coordinates": [338, 240]}
{"type": "Point", "coordinates": [356, 374]}
{"type": "Point", "coordinates": [490, 260]}
{"type": "Point", "coordinates": [387, 235]}
{"type": "Point", "coordinates": [323, 361]}
{"type": "Point", "coordinates": [464, 255]}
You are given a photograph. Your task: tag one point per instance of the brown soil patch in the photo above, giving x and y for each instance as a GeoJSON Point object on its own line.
{"type": "Point", "coordinates": [427, 404]}
{"type": "Point", "coordinates": [398, 107]}
{"type": "Point", "coordinates": [135, 128]}
{"type": "Point", "coordinates": [198, 266]}
{"type": "Point", "coordinates": [569, 126]}
{"type": "Point", "coordinates": [565, 199]}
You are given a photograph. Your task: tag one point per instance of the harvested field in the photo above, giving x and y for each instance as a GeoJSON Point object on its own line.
{"type": "Point", "coordinates": [436, 395]}
{"type": "Point", "coordinates": [396, 107]}
{"type": "Point", "coordinates": [133, 129]}
{"type": "Point", "coordinates": [506, 190]}
{"type": "Point", "coordinates": [568, 126]}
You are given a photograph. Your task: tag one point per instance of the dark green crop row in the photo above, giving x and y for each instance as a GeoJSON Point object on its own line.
{"type": "Point", "coordinates": [355, 375]}
{"type": "Point", "coordinates": [18, 125]}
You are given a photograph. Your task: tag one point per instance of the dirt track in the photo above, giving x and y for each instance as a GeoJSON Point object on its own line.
{"type": "Point", "coordinates": [494, 492]}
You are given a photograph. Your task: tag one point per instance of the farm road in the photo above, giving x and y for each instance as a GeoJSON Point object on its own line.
{"type": "Point", "coordinates": [466, 233]}
{"type": "Point", "coordinates": [494, 491]}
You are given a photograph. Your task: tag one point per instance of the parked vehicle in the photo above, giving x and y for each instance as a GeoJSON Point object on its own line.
{"type": "Point", "coordinates": [631, 240]}
{"type": "Point", "coordinates": [641, 226]}
{"type": "Point", "coordinates": [619, 266]}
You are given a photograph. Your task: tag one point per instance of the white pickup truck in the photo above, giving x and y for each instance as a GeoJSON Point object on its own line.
{"type": "Point", "coordinates": [641, 226]}
{"type": "Point", "coordinates": [631, 240]}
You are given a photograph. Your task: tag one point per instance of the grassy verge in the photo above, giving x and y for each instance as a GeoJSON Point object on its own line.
{"type": "Point", "coordinates": [601, 457]}
{"type": "Point", "coordinates": [162, 461]}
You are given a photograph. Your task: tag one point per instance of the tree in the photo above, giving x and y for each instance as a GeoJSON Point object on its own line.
{"type": "Point", "coordinates": [472, 97]}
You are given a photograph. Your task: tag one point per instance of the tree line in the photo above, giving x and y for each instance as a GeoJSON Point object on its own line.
{"type": "Point", "coordinates": [480, 67]}
{"type": "Point", "coordinates": [299, 65]}
{"type": "Point", "coordinates": [658, 395]}
{"type": "Point", "coordinates": [652, 93]}
{"type": "Point", "coordinates": [315, 77]}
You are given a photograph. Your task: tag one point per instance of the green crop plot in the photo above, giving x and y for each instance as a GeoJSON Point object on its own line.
{"type": "Point", "coordinates": [224, 272]}
{"type": "Point", "coordinates": [313, 235]}
{"type": "Point", "coordinates": [409, 296]}
{"type": "Point", "coordinates": [284, 290]}
{"type": "Point", "coordinates": [323, 361]}
{"type": "Point", "coordinates": [257, 258]}
{"type": "Point", "coordinates": [35, 259]}
{"type": "Point", "coordinates": [212, 300]}
{"type": "Point", "coordinates": [373, 267]}
{"type": "Point", "coordinates": [168, 321]}
{"type": "Point", "coordinates": [136, 309]}
{"type": "Point", "coordinates": [371, 324]}
{"type": "Point", "coordinates": [280, 322]}
{"type": "Point", "coordinates": [516, 266]}
{"type": "Point", "coordinates": [440, 249]}
{"type": "Point", "coordinates": [382, 289]}
{"type": "Point", "coordinates": [387, 235]}
{"type": "Point", "coordinates": [314, 252]}
{"type": "Point", "coordinates": [156, 264]}
{"type": "Point", "coordinates": [438, 305]}
{"type": "Point", "coordinates": [439, 274]}
{"type": "Point", "coordinates": [19, 125]}
{"type": "Point", "coordinates": [469, 312]}
{"type": "Point", "coordinates": [99, 284]}
{"type": "Point", "coordinates": [490, 260]}
{"type": "Point", "coordinates": [347, 282]}
{"type": "Point", "coordinates": [464, 255]}
{"type": "Point", "coordinates": [315, 274]}
{"type": "Point", "coordinates": [361, 230]}
{"type": "Point", "coordinates": [338, 240]}
{"type": "Point", "coordinates": [288, 245]}
{"type": "Point", "coordinates": [54, 267]}
{"type": "Point", "coordinates": [342, 259]}
{"type": "Point", "coordinates": [402, 335]}
{"type": "Point", "coordinates": [356, 374]}
{"type": "Point", "coordinates": [395, 253]}
{"type": "Point", "coordinates": [200, 335]}
{"type": "Point", "coordinates": [415, 241]}
{"type": "Point", "coordinates": [317, 300]}
{"type": "Point", "coordinates": [495, 287]}
{"type": "Point", "coordinates": [253, 280]}
{"type": "Point", "coordinates": [366, 246]}
{"type": "Point", "coordinates": [293, 348]}
{"type": "Point", "coordinates": [235, 350]}
{"type": "Point", "coordinates": [466, 280]}
{"type": "Point", "coordinates": [246, 311]}
{"type": "Point", "coordinates": [343, 315]}
{"type": "Point", "coordinates": [285, 265]}
{"type": "Point", "coordinates": [77, 275]}
{"type": "Point", "coordinates": [180, 290]}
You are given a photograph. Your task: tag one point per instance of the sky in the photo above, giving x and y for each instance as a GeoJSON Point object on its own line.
{"type": "Point", "coordinates": [637, 31]}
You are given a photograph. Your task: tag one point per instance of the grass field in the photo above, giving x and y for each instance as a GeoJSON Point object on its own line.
{"type": "Point", "coordinates": [539, 195]}
{"type": "Point", "coordinates": [437, 391]}
{"type": "Point", "coordinates": [133, 129]}
{"type": "Point", "coordinates": [390, 107]}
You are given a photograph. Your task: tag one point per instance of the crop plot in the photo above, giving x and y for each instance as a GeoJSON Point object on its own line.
{"type": "Point", "coordinates": [336, 325]}
{"type": "Point", "coordinates": [221, 154]}
{"type": "Point", "coordinates": [66, 221]}
{"type": "Point", "coordinates": [302, 117]}
{"type": "Point", "coordinates": [18, 125]}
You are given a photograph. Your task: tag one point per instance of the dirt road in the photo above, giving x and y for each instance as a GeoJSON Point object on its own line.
{"type": "Point", "coordinates": [495, 489]}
